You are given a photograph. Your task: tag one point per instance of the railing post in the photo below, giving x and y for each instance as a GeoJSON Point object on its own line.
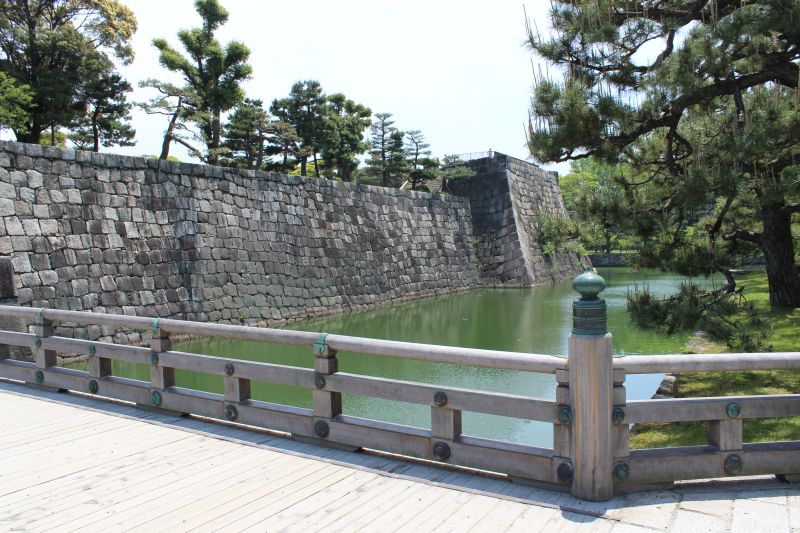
{"type": "Point", "coordinates": [620, 429]}
{"type": "Point", "coordinates": [237, 392]}
{"type": "Point", "coordinates": [326, 404]}
{"type": "Point", "coordinates": [44, 358]}
{"type": "Point", "coordinates": [445, 426]}
{"type": "Point", "coordinates": [591, 385]}
{"type": "Point", "coordinates": [562, 430]}
{"type": "Point", "coordinates": [160, 377]}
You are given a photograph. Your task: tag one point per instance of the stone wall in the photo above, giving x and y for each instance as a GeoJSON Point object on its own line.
{"type": "Point", "coordinates": [535, 192]}
{"type": "Point", "coordinates": [507, 195]}
{"type": "Point", "coordinates": [117, 234]}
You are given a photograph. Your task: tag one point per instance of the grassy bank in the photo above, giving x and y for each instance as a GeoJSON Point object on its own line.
{"type": "Point", "coordinates": [784, 326]}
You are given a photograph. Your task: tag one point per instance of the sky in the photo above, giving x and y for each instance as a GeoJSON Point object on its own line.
{"type": "Point", "coordinates": [455, 69]}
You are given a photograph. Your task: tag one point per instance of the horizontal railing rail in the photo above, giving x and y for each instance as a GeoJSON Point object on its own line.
{"type": "Point", "coordinates": [325, 421]}
{"type": "Point", "coordinates": [527, 362]}
{"type": "Point", "coordinates": [726, 453]}
{"type": "Point", "coordinates": [707, 362]}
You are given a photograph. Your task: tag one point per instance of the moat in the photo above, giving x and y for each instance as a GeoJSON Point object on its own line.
{"type": "Point", "coordinates": [527, 320]}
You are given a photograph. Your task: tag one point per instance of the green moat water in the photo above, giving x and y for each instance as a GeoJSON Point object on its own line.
{"type": "Point", "coordinates": [534, 320]}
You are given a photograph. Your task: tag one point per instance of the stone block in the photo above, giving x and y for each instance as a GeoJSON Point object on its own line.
{"type": "Point", "coordinates": [6, 207]}
{"type": "Point", "coordinates": [14, 226]}
{"type": "Point", "coordinates": [21, 263]}
{"type": "Point", "coordinates": [34, 179]}
{"type": "Point", "coordinates": [80, 287]}
{"type": "Point", "coordinates": [48, 277]}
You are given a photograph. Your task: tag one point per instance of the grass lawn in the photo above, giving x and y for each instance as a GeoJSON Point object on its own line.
{"type": "Point", "coordinates": [785, 337]}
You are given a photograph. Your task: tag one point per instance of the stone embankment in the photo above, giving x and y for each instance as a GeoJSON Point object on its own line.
{"type": "Point", "coordinates": [117, 234]}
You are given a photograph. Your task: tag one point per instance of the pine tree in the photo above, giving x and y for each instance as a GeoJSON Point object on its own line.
{"type": "Point", "coordinates": [712, 122]}
{"type": "Point", "coordinates": [246, 135]}
{"type": "Point", "coordinates": [106, 118]}
{"type": "Point", "coordinates": [177, 104]}
{"type": "Point", "coordinates": [306, 110]}
{"type": "Point", "coordinates": [212, 72]}
{"type": "Point", "coordinates": [421, 166]}
{"type": "Point", "coordinates": [381, 141]}
{"type": "Point", "coordinates": [345, 138]}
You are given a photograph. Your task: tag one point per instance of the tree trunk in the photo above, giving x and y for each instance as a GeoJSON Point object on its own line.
{"type": "Point", "coordinates": [347, 171]}
{"type": "Point", "coordinates": [95, 134]}
{"type": "Point", "coordinates": [32, 136]}
{"type": "Point", "coordinates": [260, 154]}
{"type": "Point", "coordinates": [303, 165]}
{"type": "Point", "coordinates": [216, 127]}
{"type": "Point", "coordinates": [165, 146]}
{"type": "Point", "coordinates": [778, 247]}
{"type": "Point", "coordinates": [173, 121]}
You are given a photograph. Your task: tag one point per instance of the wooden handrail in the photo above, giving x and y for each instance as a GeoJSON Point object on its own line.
{"type": "Point", "coordinates": [527, 362]}
{"type": "Point", "coordinates": [707, 362]}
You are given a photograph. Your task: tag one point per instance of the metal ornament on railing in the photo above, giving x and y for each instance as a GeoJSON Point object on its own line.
{"type": "Point", "coordinates": [589, 313]}
{"type": "Point", "coordinates": [621, 471]}
{"type": "Point", "coordinates": [566, 472]}
{"type": "Point", "coordinates": [321, 429]}
{"type": "Point", "coordinates": [733, 465]}
{"type": "Point", "coordinates": [440, 399]}
{"type": "Point", "coordinates": [564, 414]}
{"type": "Point", "coordinates": [320, 346]}
{"type": "Point", "coordinates": [441, 450]}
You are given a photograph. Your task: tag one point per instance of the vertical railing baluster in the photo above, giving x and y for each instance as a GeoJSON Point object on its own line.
{"type": "Point", "coordinates": [326, 404]}
{"type": "Point", "coordinates": [591, 386]}
{"type": "Point", "coordinates": [99, 367]}
{"type": "Point", "coordinates": [43, 358]}
{"type": "Point", "coordinates": [726, 436]}
{"type": "Point", "coordinates": [445, 426]}
{"type": "Point", "coordinates": [160, 377]}
{"type": "Point", "coordinates": [237, 391]}
{"type": "Point", "coordinates": [562, 430]}
{"type": "Point", "coordinates": [620, 429]}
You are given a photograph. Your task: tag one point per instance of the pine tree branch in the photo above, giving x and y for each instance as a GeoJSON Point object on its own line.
{"type": "Point", "coordinates": [789, 209]}
{"type": "Point", "coordinates": [743, 235]}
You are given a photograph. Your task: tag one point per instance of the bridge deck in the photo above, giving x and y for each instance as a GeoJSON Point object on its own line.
{"type": "Point", "coordinates": [69, 462]}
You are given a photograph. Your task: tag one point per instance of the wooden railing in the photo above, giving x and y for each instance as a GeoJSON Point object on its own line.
{"type": "Point", "coordinates": [725, 454]}
{"type": "Point", "coordinates": [590, 415]}
{"type": "Point", "coordinates": [325, 422]}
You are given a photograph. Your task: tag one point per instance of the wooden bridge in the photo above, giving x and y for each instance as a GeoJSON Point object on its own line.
{"type": "Point", "coordinates": [150, 458]}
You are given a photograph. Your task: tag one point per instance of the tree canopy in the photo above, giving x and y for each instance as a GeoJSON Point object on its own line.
{"type": "Point", "coordinates": [213, 73]}
{"type": "Point", "coordinates": [105, 119]}
{"type": "Point", "coordinates": [15, 100]}
{"type": "Point", "coordinates": [45, 45]}
{"type": "Point", "coordinates": [700, 99]}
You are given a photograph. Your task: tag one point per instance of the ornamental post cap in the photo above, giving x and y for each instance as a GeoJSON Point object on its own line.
{"type": "Point", "coordinates": [589, 284]}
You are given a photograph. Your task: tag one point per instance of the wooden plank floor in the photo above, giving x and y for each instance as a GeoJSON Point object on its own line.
{"type": "Point", "coordinates": [70, 462]}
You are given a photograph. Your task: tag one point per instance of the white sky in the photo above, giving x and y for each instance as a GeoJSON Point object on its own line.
{"type": "Point", "coordinates": [455, 69]}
